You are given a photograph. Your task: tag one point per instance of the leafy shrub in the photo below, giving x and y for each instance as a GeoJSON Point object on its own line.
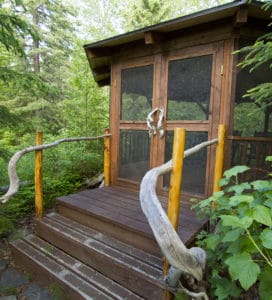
{"type": "Point", "coordinates": [239, 240]}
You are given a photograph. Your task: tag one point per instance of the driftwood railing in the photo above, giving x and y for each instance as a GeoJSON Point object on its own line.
{"type": "Point", "coordinates": [15, 181]}
{"type": "Point", "coordinates": [189, 262]}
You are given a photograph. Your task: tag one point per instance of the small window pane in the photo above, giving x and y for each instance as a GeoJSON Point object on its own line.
{"type": "Point", "coordinates": [194, 166]}
{"type": "Point", "coordinates": [189, 85]}
{"type": "Point", "coordinates": [136, 94]}
{"type": "Point", "coordinates": [134, 154]}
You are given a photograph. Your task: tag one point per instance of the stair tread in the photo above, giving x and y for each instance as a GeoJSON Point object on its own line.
{"type": "Point", "coordinates": [95, 245]}
{"type": "Point", "coordinates": [90, 275]}
{"type": "Point", "coordinates": [108, 240]}
{"type": "Point", "coordinates": [65, 276]}
{"type": "Point", "coordinates": [132, 268]}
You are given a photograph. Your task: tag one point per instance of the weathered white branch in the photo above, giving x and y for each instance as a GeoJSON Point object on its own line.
{"type": "Point", "coordinates": [13, 177]}
{"type": "Point", "coordinates": [195, 295]}
{"type": "Point", "coordinates": [176, 253]}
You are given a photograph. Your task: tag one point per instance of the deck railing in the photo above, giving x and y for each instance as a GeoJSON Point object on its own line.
{"type": "Point", "coordinates": [15, 181]}
{"type": "Point", "coordinates": [190, 261]}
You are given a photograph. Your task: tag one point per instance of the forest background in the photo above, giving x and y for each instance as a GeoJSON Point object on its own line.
{"type": "Point", "coordinates": [46, 85]}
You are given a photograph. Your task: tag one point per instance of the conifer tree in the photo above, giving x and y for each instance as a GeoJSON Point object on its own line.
{"type": "Point", "coordinates": [145, 13]}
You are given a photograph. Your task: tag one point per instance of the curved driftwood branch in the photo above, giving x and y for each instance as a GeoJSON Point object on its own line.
{"type": "Point", "coordinates": [13, 177]}
{"type": "Point", "coordinates": [189, 261]}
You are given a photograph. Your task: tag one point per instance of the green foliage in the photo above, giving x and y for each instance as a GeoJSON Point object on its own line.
{"type": "Point", "coordinates": [238, 244]}
{"type": "Point", "coordinates": [147, 12]}
{"type": "Point", "coordinates": [14, 27]}
{"type": "Point", "coordinates": [258, 54]}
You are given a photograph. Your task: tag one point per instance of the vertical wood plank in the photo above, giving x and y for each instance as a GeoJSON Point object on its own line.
{"type": "Point", "coordinates": [38, 177]}
{"type": "Point", "coordinates": [176, 176]}
{"type": "Point", "coordinates": [107, 159]}
{"type": "Point", "coordinates": [175, 187]}
{"type": "Point", "coordinates": [219, 157]}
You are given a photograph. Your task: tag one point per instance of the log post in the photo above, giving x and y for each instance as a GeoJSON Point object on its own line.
{"type": "Point", "coordinates": [219, 157]}
{"type": "Point", "coordinates": [38, 177]}
{"type": "Point", "coordinates": [107, 159]}
{"type": "Point", "coordinates": [175, 187]}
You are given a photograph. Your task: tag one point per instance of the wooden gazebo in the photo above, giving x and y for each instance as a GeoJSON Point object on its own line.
{"type": "Point", "coordinates": [179, 73]}
{"type": "Point", "coordinates": [186, 67]}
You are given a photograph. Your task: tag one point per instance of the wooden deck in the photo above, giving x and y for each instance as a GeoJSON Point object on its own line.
{"type": "Point", "coordinates": [100, 246]}
{"type": "Point", "coordinates": [121, 208]}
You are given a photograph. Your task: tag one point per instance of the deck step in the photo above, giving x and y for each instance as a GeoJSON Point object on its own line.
{"type": "Point", "coordinates": [132, 268]}
{"type": "Point", "coordinates": [50, 265]}
{"type": "Point", "coordinates": [124, 221]}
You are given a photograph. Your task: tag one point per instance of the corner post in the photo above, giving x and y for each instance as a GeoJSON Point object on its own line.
{"type": "Point", "coordinates": [107, 158]}
{"type": "Point", "coordinates": [219, 157]}
{"type": "Point", "coordinates": [175, 187]}
{"type": "Point", "coordinates": [38, 177]}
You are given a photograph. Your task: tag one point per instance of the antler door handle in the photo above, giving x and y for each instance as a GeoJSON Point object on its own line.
{"type": "Point", "coordinates": [153, 129]}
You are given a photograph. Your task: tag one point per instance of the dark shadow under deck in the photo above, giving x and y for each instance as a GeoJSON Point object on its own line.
{"type": "Point", "coordinates": [121, 206]}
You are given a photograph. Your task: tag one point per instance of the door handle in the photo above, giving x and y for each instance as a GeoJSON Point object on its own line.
{"type": "Point", "coordinates": [160, 122]}
{"type": "Point", "coordinates": [153, 129]}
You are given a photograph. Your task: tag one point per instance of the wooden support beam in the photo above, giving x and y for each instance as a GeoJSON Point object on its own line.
{"type": "Point", "coordinates": [152, 37]}
{"type": "Point", "coordinates": [219, 157]}
{"type": "Point", "coordinates": [38, 177]}
{"type": "Point", "coordinates": [241, 17]}
{"type": "Point", "coordinates": [175, 188]}
{"type": "Point", "coordinates": [107, 159]}
{"type": "Point", "coordinates": [176, 176]}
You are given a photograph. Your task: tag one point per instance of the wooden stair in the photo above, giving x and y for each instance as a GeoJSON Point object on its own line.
{"type": "Point", "coordinates": [98, 246]}
{"type": "Point", "coordinates": [86, 263]}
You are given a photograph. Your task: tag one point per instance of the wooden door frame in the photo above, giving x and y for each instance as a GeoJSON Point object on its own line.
{"type": "Point", "coordinates": [160, 63]}
{"type": "Point", "coordinates": [210, 126]}
{"type": "Point", "coordinates": [116, 124]}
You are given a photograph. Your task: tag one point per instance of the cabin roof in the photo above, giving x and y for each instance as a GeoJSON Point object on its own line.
{"type": "Point", "coordinates": [99, 53]}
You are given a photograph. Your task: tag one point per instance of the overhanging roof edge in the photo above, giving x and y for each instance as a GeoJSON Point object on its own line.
{"type": "Point", "coordinates": [137, 34]}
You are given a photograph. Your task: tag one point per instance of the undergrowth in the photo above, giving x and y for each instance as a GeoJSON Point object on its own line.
{"type": "Point", "coordinates": [239, 239]}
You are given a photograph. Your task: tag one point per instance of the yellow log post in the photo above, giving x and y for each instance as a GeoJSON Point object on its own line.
{"type": "Point", "coordinates": [38, 177]}
{"type": "Point", "coordinates": [107, 159]}
{"type": "Point", "coordinates": [175, 187]}
{"type": "Point", "coordinates": [219, 157]}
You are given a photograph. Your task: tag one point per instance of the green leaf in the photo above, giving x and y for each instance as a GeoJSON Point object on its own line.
{"type": "Point", "coordinates": [243, 244]}
{"type": "Point", "coordinates": [234, 221]}
{"type": "Point", "coordinates": [243, 268]}
{"type": "Point", "coordinates": [235, 171]}
{"type": "Point", "coordinates": [238, 189]}
{"type": "Point", "coordinates": [226, 288]}
{"type": "Point", "coordinates": [205, 203]}
{"type": "Point", "coordinates": [223, 181]}
{"type": "Point", "coordinates": [212, 241]}
{"type": "Point", "coordinates": [266, 284]}
{"type": "Point", "coordinates": [237, 199]}
{"type": "Point", "coordinates": [262, 185]}
{"type": "Point", "coordinates": [268, 203]}
{"type": "Point", "coordinates": [262, 215]}
{"type": "Point", "coordinates": [232, 235]}
{"type": "Point", "coordinates": [266, 237]}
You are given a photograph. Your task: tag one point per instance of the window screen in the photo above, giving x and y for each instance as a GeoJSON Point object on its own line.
{"type": "Point", "coordinates": [134, 154]}
{"type": "Point", "coordinates": [136, 94]}
{"type": "Point", "coordinates": [189, 85]}
{"type": "Point", "coordinates": [194, 166]}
